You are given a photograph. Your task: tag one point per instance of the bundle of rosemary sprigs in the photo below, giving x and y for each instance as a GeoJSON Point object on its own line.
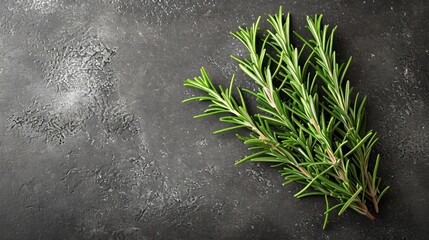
{"type": "Point", "coordinates": [308, 122]}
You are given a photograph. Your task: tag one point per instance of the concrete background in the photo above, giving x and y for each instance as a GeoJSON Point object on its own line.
{"type": "Point", "coordinates": [96, 145]}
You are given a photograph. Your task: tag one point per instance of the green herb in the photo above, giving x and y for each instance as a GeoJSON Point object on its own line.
{"type": "Point", "coordinates": [315, 133]}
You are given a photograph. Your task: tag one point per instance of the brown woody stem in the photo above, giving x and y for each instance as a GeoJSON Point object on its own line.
{"type": "Point", "coordinates": [372, 193]}
{"type": "Point", "coordinates": [368, 214]}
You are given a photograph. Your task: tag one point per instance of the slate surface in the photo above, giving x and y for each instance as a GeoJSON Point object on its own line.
{"type": "Point", "coordinates": [96, 145]}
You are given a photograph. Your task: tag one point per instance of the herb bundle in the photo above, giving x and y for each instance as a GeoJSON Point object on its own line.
{"type": "Point", "coordinates": [309, 122]}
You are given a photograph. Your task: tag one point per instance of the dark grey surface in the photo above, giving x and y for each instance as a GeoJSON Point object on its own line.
{"type": "Point", "coordinates": [96, 145]}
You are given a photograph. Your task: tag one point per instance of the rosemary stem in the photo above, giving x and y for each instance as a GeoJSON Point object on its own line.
{"type": "Point", "coordinates": [367, 213]}
{"type": "Point", "coordinates": [372, 193]}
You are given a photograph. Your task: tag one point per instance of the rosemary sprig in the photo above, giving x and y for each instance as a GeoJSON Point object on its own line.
{"type": "Point", "coordinates": [352, 117]}
{"type": "Point", "coordinates": [321, 144]}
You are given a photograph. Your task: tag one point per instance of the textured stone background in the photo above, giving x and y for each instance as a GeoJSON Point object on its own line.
{"type": "Point", "coordinates": [96, 145]}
